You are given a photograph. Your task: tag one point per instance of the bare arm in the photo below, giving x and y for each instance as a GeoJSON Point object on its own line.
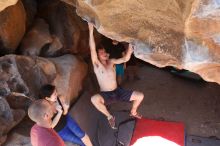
{"type": "Point", "coordinates": [124, 65]}
{"type": "Point", "coordinates": [65, 104]}
{"type": "Point", "coordinates": [125, 58]}
{"type": "Point", "coordinates": [58, 115]}
{"type": "Point", "coordinates": [86, 140]}
{"type": "Point", "coordinates": [92, 45]}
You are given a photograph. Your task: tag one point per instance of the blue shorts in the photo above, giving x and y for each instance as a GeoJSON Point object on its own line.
{"type": "Point", "coordinates": [119, 94]}
{"type": "Point", "coordinates": [72, 132]}
{"type": "Point", "coordinates": [119, 69]}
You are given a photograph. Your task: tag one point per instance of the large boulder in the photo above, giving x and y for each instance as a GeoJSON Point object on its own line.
{"type": "Point", "coordinates": [22, 74]}
{"type": "Point", "coordinates": [70, 74]}
{"type": "Point", "coordinates": [25, 74]}
{"type": "Point", "coordinates": [31, 11]}
{"type": "Point", "coordinates": [36, 38]}
{"type": "Point", "coordinates": [7, 3]}
{"type": "Point", "coordinates": [66, 25]}
{"type": "Point", "coordinates": [12, 26]}
{"type": "Point", "coordinates": [202, 47]}
{"type": "Point", "coordinates": [155, 26]}
{"type": "Point", "coordinates": [17, 139]}
{"type": "Point", "coordinates": [183, 34]}
{"type": "Point", "coordinates": [8, 118]}
{"type": "Point", "coordinates": [38, 41]}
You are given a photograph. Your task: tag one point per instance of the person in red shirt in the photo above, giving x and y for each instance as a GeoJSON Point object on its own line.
{"type": "Point", "coordinates": [63, 123]}
{"type": "Point", "coordinates": [42, 134]}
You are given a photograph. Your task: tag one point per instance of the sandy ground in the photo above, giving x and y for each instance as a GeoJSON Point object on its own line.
{"type": "Point", "coordinates": [173, 98]}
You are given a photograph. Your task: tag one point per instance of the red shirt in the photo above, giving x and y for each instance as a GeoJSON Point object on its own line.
{"type": "Point", "coordinates": [41, 136]}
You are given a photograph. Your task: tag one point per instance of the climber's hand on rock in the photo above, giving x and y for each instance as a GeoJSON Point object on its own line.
{"type": "Point", "coordinates": [91, 26]}
{"type": "Point", "coordinates": [130, 48]}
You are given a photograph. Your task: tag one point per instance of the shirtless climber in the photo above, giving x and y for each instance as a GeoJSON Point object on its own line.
{"type": "Point", "coordinates": [104, 69]}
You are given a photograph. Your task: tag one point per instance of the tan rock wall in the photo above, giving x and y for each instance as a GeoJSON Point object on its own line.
{"type": "Point", "coordinates": [6, 3]}
{"type": "Point", "coordinates": [66, 25]}
{"type": "Point", "coordinates": [183, 34]}
{"type": "Point", "coordinates": [12, 27]}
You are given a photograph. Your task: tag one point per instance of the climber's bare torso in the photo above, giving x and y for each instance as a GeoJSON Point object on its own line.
{"type": "Point", "coordinates": [106, 76]}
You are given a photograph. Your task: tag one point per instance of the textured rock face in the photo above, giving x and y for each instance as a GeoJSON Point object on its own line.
{"type": "Point", "coordinates": [156, 26]}
{"type": "Point", "coordinates": [31, 10]}
{"type": "Point", "coordinates": [202, 48]}
{"type": "Point", "coordinates": [6, 3]}
{"type": "Point", "coordinates": [12, 27]}
{"type": "Point", "coordinates": [184, 34]}
{"type": "Point", "coordinates": [38, 41]}
{"type": "Point", "coordinates": [38, 36]}
{"type": "Point", "coordinates": [8, 118]}
{"type": "Point", "coordinates": [17, 139]}
{"type": "Point", "coordinates": [66, 25]}
{"type": "Point", "coordinates": [70, 74]}
{"type": "Point", "coordinates": [26, 75]}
